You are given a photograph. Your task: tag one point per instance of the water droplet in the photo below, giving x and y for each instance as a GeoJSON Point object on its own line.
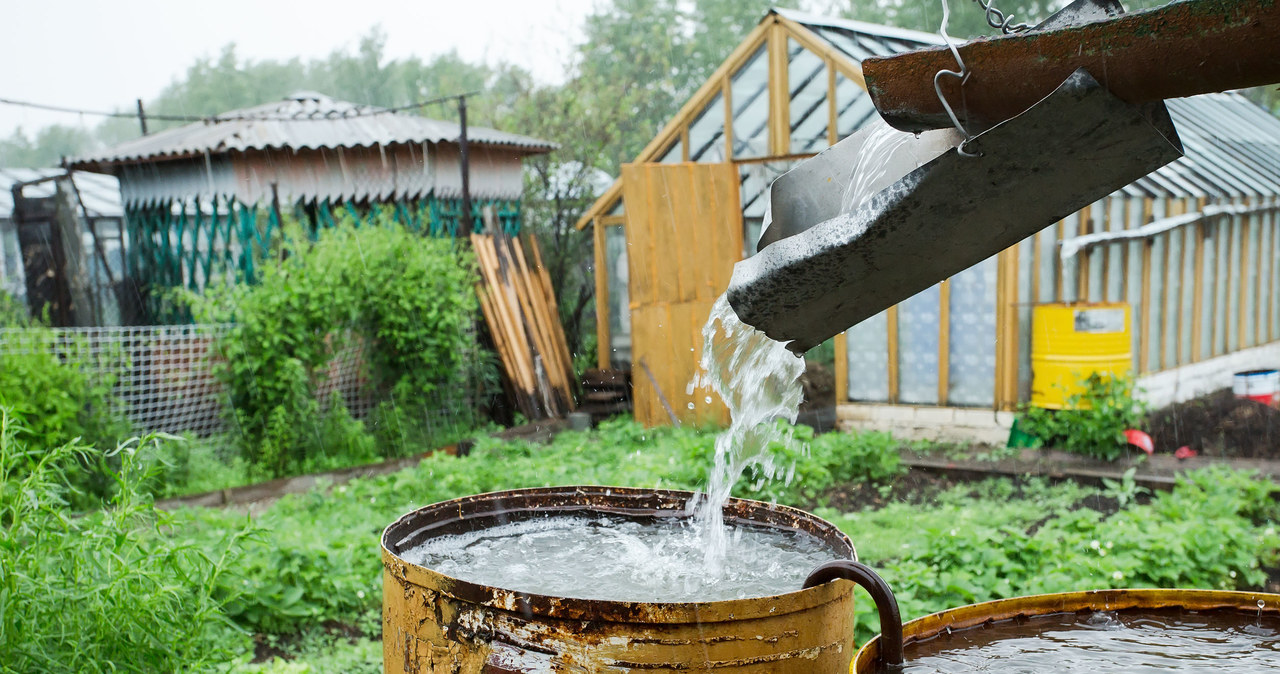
{"type": "Point", "coordinates": [707, 400]}
{"type": "Point", "coordinates": [691, 405]}
{"type": "Point", "coordinates": [1261, 604]}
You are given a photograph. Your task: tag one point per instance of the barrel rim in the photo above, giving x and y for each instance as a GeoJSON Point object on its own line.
{"type": "Point", "coordinates": [972, 615]}
{"type": "Point", "coordinates": [407, 573]}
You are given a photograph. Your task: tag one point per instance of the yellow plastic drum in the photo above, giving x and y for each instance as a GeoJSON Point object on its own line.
{"type": "Point", "coordinates": [1069, 342]}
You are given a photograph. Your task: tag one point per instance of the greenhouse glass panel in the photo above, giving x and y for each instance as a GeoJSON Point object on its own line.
{"type": "Point", "coordinates": [615, 246]}
{"type": "Point", "coordinates": [854, 108]}
{"type": "Point", "coordinates": [971, 352]}
{"type": "Point", "coordinates": [807, 78]}
{"type": "Point", "coordinates": [868, 356]}
{"type": "Point", "coordinates": [749, 90]}
{"type": "Point", "coordinates": [706, 133]}
{"type": "Point", "coordinates": [918, 347]}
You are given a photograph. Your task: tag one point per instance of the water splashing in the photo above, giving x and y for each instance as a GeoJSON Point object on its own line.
{"type": "Point", "coordinates": [759, 381]}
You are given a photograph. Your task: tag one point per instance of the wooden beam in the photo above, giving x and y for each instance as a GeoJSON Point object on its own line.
{"type": "Point", "coordinates": [779, 93]}
{"type": "Point", "coordinates": [891, 321]}
{"type": "Point", "coordinates": [842, 369]}
{"type": "Point", "coordinates": [776, 158]}
{"type": "Point", "coordinates": [726, 93]}
{"type": "Point", "coordinates": [604, 348]}
{"type": "Point", "coordinates": [684, 143]}
{"type": "Point", "coordinates": [1144, 321]}
{"type": "Point", "coordinates": [1242, 309]}
{"type": "Point", "coordinates": [1197, 285]}
{"type": "Point", "coordinates": [1007, 329]}
{"type": "Point", "coordinates": [833, 111]}
{"type": "Point", "coordinates": [1035, 266]}
{"type": "Point", "coordinates": [1084, 226]}
{"type": "Point", "coordinates": [944, 340]}
{"type": "Point", "coordinates": [696, 103]}
{"type": "Point", "coordinates": [1272, 296]}
{"type": "Point", "coordinates": [1257, 286]}
{"type": "Point", "coordinates": [807, 39]}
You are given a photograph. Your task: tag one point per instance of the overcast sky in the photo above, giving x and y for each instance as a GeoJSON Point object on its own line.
{"type": "Point", "coordinates": [103, 55]}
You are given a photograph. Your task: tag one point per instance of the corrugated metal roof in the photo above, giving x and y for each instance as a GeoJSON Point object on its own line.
{"type": "Point", "coordinates": [100, 193]}
{"type": "Point", "coordinates": [304, 120]}
{"type": "Point", "coordinates": [1232, 150]}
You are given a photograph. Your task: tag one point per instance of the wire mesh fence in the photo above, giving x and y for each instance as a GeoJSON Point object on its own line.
{"type": "Point", "coordinates": [164, 374]}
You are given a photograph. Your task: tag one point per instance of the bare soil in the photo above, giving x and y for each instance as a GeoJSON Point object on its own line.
{"type": "Point", "coordinates": [1218, 424]}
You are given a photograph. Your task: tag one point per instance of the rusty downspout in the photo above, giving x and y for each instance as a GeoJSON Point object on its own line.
{"type": "Point", "coordinates": [1182, 49]}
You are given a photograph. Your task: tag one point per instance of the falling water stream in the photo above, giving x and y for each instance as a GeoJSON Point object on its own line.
{"type": "Point", "coordinates": [699, 557]}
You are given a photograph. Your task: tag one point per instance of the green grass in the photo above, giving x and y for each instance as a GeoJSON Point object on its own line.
{"type": "Point", "coordinates": [318, 560]}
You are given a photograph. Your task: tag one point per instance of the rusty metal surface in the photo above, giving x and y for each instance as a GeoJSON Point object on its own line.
{"type": "Point", "coordinates": [1182, 49]}
{"type": "Point", "coordinates": [435, 623]}
{"type": "Point", "coordinates": [1252, 603]}
{"type": "Point", "coordinates": [304, 120]}
{"type": "Point", "coordinates": [1077, 146]}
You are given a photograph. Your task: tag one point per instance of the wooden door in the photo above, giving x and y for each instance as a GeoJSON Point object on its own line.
{"type": "Point", "coordinates": [684, 234]}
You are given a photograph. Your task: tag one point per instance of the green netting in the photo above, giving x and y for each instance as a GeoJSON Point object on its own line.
{"type": "Point", "coordinates": [188, 244]}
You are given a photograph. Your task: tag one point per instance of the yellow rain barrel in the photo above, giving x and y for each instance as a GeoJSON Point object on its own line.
{"type": "Point", "coordinates": [1069, 342]}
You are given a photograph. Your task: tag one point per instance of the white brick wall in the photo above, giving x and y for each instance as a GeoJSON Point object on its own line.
{"type": "Point", "coordinates": [948, 424]}
{"type": "Point", "coordinates": [1192, 381]}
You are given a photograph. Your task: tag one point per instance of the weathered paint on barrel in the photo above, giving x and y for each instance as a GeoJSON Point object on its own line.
{"type": "Point", "coordinates": [1067, 602]}
{"type": "Point", "coordinates": [436, 624]}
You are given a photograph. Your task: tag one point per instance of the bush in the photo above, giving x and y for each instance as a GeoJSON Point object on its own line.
{"type": "Point", "coordinates": [62, 399]}
{"type": "Point", "coordinates": [103, 592]}
{"type": "Point", "coordinates": [1094, 421]}
{"type": "Point", "coordinates": [407, 300]}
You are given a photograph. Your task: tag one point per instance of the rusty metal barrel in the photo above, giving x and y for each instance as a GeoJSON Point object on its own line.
{"type": "Point", "coordinates": [433, 623]}
{"type": "Point", "coordinates": [975, 615]}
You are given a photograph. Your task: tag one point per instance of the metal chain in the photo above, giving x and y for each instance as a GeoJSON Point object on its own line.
{"type": "Point", "coordinates": [997, 19]}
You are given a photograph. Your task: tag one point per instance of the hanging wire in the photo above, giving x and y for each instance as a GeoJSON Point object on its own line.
{"type": "Point", "coordinates": [962, 75]}
{"type": "Point", "coordinates": [368, 111]}
{"type": "Point", "coordinates": [997, 18]}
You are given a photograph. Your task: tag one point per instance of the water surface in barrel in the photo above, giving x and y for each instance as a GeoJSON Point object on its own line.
{"type": "Point", "coordinates": [1169, 640]}
{"type": "Point", "coordinates": [608, 557]}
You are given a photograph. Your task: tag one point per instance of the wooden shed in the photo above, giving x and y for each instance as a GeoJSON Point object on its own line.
{"type": "Point", "coordinates": [204, 200]}
{"type": "Point", "coordinates": [1192, 247]}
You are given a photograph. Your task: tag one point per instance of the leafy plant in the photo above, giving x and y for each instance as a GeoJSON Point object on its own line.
{"type": "Point", "coordinates": [1094, 420]}
{"type": "Point", "coordinates": [402, 300]}
{"type": "Point", "coordinates": [108, 591]}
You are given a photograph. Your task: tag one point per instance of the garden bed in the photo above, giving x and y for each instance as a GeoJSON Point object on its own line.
{"type": "Point", "coordinates": [1218, 425]}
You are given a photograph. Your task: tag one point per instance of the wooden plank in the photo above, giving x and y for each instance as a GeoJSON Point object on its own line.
{"type": "Point", "coordinates": [683, 365]}
{"type": "Point", "coordinates": [1035, 266]}
{"type": "Point", "coordinates": [891, 320]}
{"type": "Point", "coordinates": [1084, 226]}
{"type": "Point", "coordinates": [1007, 297]}
{"type": "Point", "coordinates": [1241, 303]}
{"type": "Point", "coordinates": [665, 244]}
{"type": "Point", "coordinates": [1257, 283]}
{"type": "Point", "coordinates": [677, 257]}
{"type": "Point", "coordinates": [684, 143]}
{"type": "Point", "coordinates": [944, 341]}
{"type": "Point", "coordinates": [604, 345]}
{"type": "Point", "coordinates": [776, 158]}
{"type": "Point", "coordinates": [833, 111]}
{"type": "Point", "coordinates": [1273, 296]}
{"type": "Point", "coordinates": [553, 307]}
{"type": "Point", "coordinates": [612, 219]}
{"type": "Point", "coordinates": [1144, 335]}
{"type": "Point", "coordinates": [1197, 282]}
{"type": "Point", "coordinates": [543, 325]}
{"type": "Point", "coordinates": [726, 93]}
{"type": "Point", "coordinates": [779, 93]}
{"type": "Point", "coordinates": [521, 363]}
{"type": "Point", "coordinates": [638, 231]}
{"type": "Point", "coordinates": [842, 369]}
{"type": "Point", "coordinates": [1105, 218]}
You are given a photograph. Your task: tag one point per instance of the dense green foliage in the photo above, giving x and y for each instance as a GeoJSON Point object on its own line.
{"type": "Point", "coordinates": [996, 539]}
{"type": "Point", "coordinates": [405, 300]}
{"type": "Point", "coordinates": [64, 395]}
{"type": "Point", "coordinates": [107, 591]}
{"type": "Point", "coordinates": [1094, 420]}
{"type": "Point", "coordinates": [1214, 530]}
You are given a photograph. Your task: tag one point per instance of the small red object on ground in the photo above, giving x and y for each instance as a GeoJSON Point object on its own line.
{"type": "Point", "coordinates": [1184, 452]}
{"type": "Point", "coordinates": [1140, 440]}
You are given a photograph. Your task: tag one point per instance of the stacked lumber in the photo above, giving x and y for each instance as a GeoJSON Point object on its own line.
{"type": "Point", "coordinates": [520, 310]}
{"type": "Point", "coordinates": [605, 393]}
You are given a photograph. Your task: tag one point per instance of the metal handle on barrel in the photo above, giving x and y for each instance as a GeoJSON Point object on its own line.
{"type": "Point", "coordinates": [881, 593]}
